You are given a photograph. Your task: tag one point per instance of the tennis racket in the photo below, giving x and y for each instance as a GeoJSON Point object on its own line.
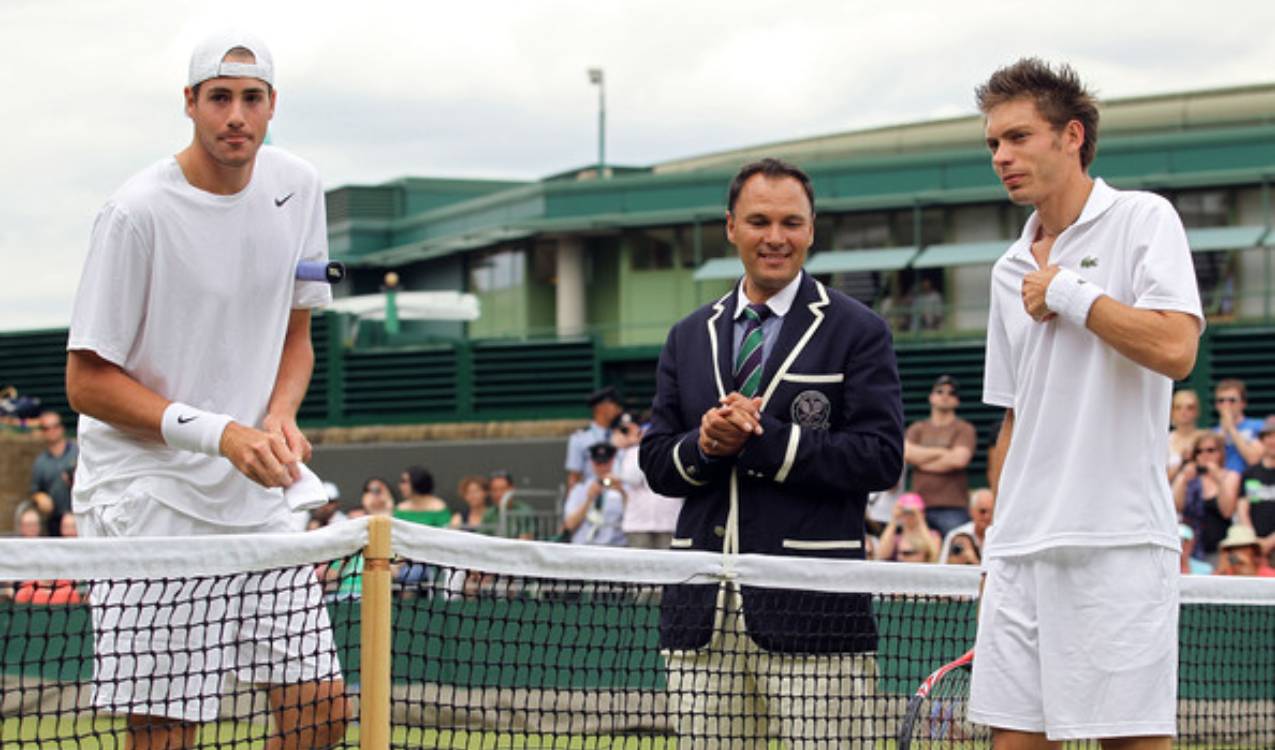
{"type": "Point", "coordinates": [937, 710]}
{"type": "Point", "coordinates": [313, 270]}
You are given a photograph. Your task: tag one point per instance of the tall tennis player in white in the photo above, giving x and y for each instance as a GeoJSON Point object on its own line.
{"type": "Point", "coordinates": [189, 354]}
{"type": "Point", "coordinates": [1094, 312]}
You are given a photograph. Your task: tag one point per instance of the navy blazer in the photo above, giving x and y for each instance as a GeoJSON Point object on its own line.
{"type": "Point", "coordinates": [832, 420]}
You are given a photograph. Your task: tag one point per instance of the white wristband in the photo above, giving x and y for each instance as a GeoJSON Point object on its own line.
{"type": "Point", "coordinates": [1071, 296]}
{"type": "Point", "coordinates": [190, 429]}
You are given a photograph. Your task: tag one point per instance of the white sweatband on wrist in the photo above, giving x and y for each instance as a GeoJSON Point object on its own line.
{"type": "Point", "coordinates": [190, 429]}
{"type": "Point", "coordinates": [1071, 296]}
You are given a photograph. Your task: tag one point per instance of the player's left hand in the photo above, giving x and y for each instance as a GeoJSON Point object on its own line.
{"type": "Point", "coordinates": [286, 427]}
{"type": "Point", "coordinates": [1034, 286]}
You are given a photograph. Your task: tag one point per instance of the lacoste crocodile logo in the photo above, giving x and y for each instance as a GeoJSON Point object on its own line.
{"type": "Point", "coordinates": [1089, 262]}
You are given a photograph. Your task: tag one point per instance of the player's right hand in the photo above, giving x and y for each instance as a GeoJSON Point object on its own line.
{"type": "Point", "coordinates": [263, 457]}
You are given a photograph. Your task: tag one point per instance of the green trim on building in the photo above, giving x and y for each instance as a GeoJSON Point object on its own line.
{"type": "Point", "coordinates": [719, 269]}
{"type": "Point", "coordinates": [961, 254]}
{"type": "Point", "coordinates": [1209, 239]}
{"type": "Point", "coordinates": [1198, 158]}
{"type": "Point", "coordinates": [852, 261]}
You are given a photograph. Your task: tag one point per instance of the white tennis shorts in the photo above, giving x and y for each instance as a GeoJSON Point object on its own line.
{"type": "Point", "coordinates": [1079, 642]}
{"type": "Point", "coordinates": [165, 647]}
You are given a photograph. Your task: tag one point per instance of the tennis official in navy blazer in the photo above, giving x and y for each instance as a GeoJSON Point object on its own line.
{"type": "Point", "coordinates": [777, 410]}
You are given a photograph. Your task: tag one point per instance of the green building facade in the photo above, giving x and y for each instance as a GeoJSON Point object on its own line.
{"type": "Point", "coordinates": [579, 276]}
{"type": "Point", "coordinates": [909, 217]}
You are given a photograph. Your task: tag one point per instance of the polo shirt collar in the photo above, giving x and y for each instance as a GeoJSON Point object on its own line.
{"type": "Point", "coordinates": [1101, 198]}
{"type": "Point", "coordinates": [778, 304]}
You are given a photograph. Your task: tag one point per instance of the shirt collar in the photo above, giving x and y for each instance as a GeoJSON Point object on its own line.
{"type": "Point", "coordinates": [778, 304]}
{"type": "Point", "coordinates": [1101, 197]}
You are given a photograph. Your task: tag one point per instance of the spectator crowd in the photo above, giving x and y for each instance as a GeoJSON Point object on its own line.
{"type": "Point", "coordinates": [1222, 480]}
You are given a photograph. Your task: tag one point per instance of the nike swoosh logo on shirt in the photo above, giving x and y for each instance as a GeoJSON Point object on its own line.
{"type": "Point", "coordinates": [184, 420]}
{"type": "Point", "coordinates": [278, 202]}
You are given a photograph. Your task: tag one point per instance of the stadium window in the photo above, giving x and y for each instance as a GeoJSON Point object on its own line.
{"type": "Point", "coordinates": [652, 249]}
{"type": "Point", "coordinates": [713, 242]}
{"type": "Point", "coordinates": [913, 300]}
{"type": "Point", "coordinates": [1204, 208]}
{"type": "Point", "coordinates": [855, 231]}
{"type": "Point", "coordinates": [933, 227]}
{"type": "Point", "coordinates": [544, 261]}
{"type": "Point", "coordinates": [498, 269]}
{"type": "Point", "coordinates": [1215, 271]}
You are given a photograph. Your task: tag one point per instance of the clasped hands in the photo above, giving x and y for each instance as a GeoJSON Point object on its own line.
{"type": "Point", "coordinates": [725, 428]}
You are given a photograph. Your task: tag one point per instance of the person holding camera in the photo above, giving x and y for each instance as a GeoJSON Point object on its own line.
{"type": "Point", "coordinates": [982, 504]}
{"type": "Point", "coordinates": [1207, 493]}
{"type": "Point", "coordinates": [963, 551]}
{"type": "Point", "coordinates": [909, 538]}
{"type": "Point", "coordinates": [1184, 415]}
{"type": "Point", "coordinates": [649, 518]}
{"type": "Point", "coordinates": [594, 510]}
{"type": "Point", "coordinates": [1257, 496]}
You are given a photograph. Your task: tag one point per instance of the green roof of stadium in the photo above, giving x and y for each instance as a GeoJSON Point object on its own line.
{"type": "Point", "coordinates": [1196, 139]}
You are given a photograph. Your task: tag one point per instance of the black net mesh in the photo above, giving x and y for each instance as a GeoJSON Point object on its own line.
{"type": "Point", "coordinates": [487, 660]}
{"type": "Point", "coordinates": [482, 659]}
{"type": "Point", "coordinates": [213, 661]}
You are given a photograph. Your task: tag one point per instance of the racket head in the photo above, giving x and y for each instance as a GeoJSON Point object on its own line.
{"type": "Point", "coordinates": [935, 715]}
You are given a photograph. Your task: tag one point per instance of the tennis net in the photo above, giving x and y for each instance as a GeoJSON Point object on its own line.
{"type": "Point", "coordinates": [573, 646]}
{"type": "Point", "coordinates": [484, 643]}
{"type": "Point", "coordinates": [231, 633]}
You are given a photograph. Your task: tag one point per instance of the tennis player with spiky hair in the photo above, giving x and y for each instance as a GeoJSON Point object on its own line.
{"type": "Point", "coordinates": [189, 355]}
{"type": "Point", "coordinates": [1094, 313]}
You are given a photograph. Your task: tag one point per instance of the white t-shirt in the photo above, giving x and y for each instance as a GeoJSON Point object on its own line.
{"type": "Point", "coordinates": [1086, 465]}
{"type": "Point", "coordinates": [189, 293]}
{"type": "Point", "coordinates": [646, 511]}
{"type": "Point", "coordinates": [602, 523]}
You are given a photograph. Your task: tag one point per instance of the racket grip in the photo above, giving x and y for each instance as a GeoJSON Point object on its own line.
{"type": "Point", "coordinates": [313, 270]}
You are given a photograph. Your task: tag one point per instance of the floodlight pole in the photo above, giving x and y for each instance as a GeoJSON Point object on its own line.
{"type": "Point", "coordinates": [596, 77]}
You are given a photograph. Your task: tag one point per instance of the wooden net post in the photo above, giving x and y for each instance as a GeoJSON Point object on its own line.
{"type": "Point", "coordinates": [374, 659]}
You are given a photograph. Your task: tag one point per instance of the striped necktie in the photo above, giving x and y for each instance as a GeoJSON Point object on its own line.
{"type": "Point", "coordinates": [748, 361]}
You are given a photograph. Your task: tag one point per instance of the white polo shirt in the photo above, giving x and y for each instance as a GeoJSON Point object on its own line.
{"type": "Point", "coordinates": [1086, 465]}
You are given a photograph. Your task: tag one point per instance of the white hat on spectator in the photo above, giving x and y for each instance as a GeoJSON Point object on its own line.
{"type": "Point", "coordinates": [1239, 535]}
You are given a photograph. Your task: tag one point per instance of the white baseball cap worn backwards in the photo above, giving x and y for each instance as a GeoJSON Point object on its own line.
{"type": "Point", "coordinates": [206, 61]}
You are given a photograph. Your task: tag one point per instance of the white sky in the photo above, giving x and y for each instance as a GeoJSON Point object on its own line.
{"type": "Point", "coordinates": [374, 90]}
